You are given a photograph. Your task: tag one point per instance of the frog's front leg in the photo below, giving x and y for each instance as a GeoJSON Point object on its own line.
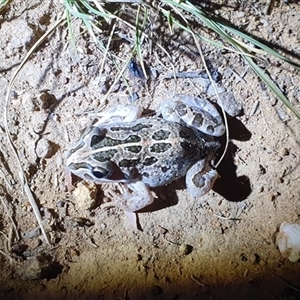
{"type": "Point", "coordinates": [195, 112]}
{"type": "Point", "coordinates": [139, 197]}
{"type": "Point", "coordinates": [200, 178]}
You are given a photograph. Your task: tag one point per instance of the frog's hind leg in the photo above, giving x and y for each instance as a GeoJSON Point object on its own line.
{"type": "Point", "coordinates": [200, 178]}
{"type": "Point", "coordinates": [195, 112]}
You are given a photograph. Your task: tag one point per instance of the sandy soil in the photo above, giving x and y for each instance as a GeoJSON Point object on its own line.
{"type": "Point", "coordinates": [221, 246]}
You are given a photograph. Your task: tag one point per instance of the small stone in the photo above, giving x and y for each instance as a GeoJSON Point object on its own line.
{"type": "Point", "coordinates": [31, 233]}
{"type": "Point", "coordinates": [103, 226]}
{"type": "Point", "coordinates": [243, 257]}
{"type": "Point", "coordinates": [284, 152]}
{"type": "Point", "coordinates": [162, 230]}
{"type": "Point", "coordinates": [60, 203]}
{"type": "Point", "coordinates": [14, 95]}
{"type": "Point", "coordinates": [18, 34]}
{"type": "Point", "coordinates": [271, 197]}
{"type": "Point", "coordinates": [45, 100]}
{"type": "Point", "coordinates": [44, 149]}
{"type": "Point", "coordinates": [262, 170]}
{"type": "Point", "coordinates": [273, 101]}
{"type": "Point", "coordinates": [254, 259]}
{"type": "Point", "coordinates": [280, 180]}
{"type": "Point", "coordinates": [260, 189]}
{"type": "Point", "coordinates": [185, 249]}
{"type": "Point", "coordinates": [288, 240]}
{"type": "Point", "coordinates": [65, 80]}
{"type": "Point", "coordinates": [85, 195]}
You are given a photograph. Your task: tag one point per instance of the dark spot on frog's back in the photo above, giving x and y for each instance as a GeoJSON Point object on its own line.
{"type": "Point", "coordinates": [164, 169]}
{"type": "Point", "coordinates": [198, 120]}
{"type": "Point", "coordinates": [98, 142]}
{"type": "Point", "coordinates": [96, 139]}
{"type": "Point", "coordinates": [128, 163]}
{"type": "Point", "coordinates": [132, 139]}
{"type": "Point", "coordinates": [160, 147]}
{"type": "Point", "coordinates": [133, 149]}
{"type": "Point", "coordinates": [161, 135]}
{"type": "Point", "coordinates": [104, 156]}
{"type": "Point", "coordinates": [148, 161]}
{"type": "Point", "coordinates": [181, 109]}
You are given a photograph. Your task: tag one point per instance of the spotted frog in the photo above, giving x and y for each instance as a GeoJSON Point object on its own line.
{"type": "Point", "coordinates": [142, 152]}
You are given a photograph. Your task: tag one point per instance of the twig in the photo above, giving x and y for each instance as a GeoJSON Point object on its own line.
{"type": "Point", "coordinates": [228, 219]}
{"type": "Point", "coordinates": [254, 108]}
{"type": "Point", "coordinates": [196, 280]}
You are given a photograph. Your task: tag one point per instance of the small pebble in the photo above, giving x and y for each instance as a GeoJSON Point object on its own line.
{"type": "Point", "coordinates": [254, 259]}
{"type": "Point", "coordinates": [270, 197]}
{"type": "Point", "coordinates": [44, 149]}
{"type": "Point", "coordinates": [240, 14]}
{"type": "Point", "coordinates": [45, 100]}
{"type": "Point", "coordinates": [185, 249]}
{"type": "Point", "coordinates": [283, 152]}
{"type": "Point", "coordinates": [14, 94]}
{"type": "Point", "coordinates": [139, 257]}
{"type": "Point", "coordinates": [260, 189]}
{"type": "Point", "coordinates": [85, 195]}
{"type": "Point", "coordinates": [162, 230]}
{"type": "Point", "coordinates": [60, 203]}
{"type": "Point", "coordinates": [262, 170]}
{"type": "Point", "coordinates": [280, 180]}
{"type": "Point", "coordinates": [31, 234]}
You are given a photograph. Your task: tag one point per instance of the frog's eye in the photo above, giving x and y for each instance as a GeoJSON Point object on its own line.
{"type": "Point", "coordinates": [100, 173]}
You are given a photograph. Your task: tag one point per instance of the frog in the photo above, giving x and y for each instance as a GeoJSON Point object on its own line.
{"type": "Point", "coordinates": [141, 152]}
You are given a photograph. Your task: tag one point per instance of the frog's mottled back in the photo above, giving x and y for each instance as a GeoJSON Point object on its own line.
{"type": "Point", "coordinates": [153, 150]}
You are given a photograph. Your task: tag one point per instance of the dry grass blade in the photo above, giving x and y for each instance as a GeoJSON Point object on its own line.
{"type": "Point", "coordinates": [21, 172]}
{"type": "Point", "coordinates": [227, 32]}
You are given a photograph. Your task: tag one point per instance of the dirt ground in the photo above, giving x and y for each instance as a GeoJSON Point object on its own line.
{"type": "Point", "coordinates": [220, 246]}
